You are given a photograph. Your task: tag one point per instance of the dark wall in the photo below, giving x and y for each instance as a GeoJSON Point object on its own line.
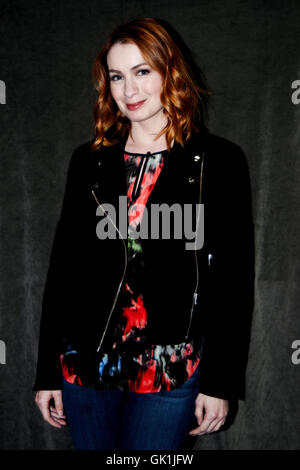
{"type": "Point", "coordinates": [249, 51]}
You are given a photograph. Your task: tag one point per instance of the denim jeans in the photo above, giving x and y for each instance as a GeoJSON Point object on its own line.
{"type": "Point", "coordinates": [119, 420]}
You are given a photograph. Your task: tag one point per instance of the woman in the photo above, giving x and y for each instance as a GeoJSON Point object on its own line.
{"type": "Point", "coordinates": [144, 336]}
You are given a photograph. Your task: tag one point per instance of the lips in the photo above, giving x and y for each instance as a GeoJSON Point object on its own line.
{"type": "Point", "coordinates": [133, 106]}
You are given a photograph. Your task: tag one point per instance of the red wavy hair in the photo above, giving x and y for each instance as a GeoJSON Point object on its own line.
{"type": "Point", "coordinates": [184, 94]}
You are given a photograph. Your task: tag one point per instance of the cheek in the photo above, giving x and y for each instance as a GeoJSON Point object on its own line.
{"type": "Point", "coordinates": [115, 92]}
{"type": "Point", "coordinates": [155, 86]}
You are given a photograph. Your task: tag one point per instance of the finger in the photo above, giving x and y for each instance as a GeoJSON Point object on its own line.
{"type": "Point", "coordinates": [214, 426]}
{"type": "Point", "coordinates": [208, 419]}
{"type": "Point", "coordinates": [218, 426]}
{"type": "Point", "coordinates": [44, 407]}
{"type": "Point", "coordinates": [218, 422]}
{"type": "Point", "coordinates": [55, 413]}
{"type": "Point", "coordinates": [57, 418]}
{"type": "Point", "coordinates": [57, 396]}
{"type": "Point", "coordinates": [60, 421]}
{"type": "Point", "coordinates": [199, 413]}
{"type": "Point", "coordinates": [195, 432]}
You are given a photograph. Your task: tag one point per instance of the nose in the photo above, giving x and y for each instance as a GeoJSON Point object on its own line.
{"type": "Point", "coordinates": [130, 87]}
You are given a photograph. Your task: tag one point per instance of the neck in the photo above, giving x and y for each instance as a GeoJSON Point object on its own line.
{"type": "Point", "coordinates": [142, 137]}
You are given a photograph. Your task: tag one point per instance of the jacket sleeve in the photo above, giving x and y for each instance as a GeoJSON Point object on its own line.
{"type": "Point", "coordinates": [58, 286]}
{"type": "Point", "coordinates": [230, 278]}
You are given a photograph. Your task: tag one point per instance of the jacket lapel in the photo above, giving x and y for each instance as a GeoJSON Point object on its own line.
{"type": "Point", "coordinates": [179, 175]}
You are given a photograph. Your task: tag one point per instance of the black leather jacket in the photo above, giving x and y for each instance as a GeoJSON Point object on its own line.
{"type": "Point", "coordinates": [204, 294]}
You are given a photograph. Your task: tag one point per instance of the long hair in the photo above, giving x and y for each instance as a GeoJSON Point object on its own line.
{"type": "Point", "coordinates": [184, 95]}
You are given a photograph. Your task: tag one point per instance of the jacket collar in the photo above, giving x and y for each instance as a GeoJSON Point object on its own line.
{"type": "Point", "coordinates": [195, 145]}
{"type": "Point", "coordinates": [179, 161]}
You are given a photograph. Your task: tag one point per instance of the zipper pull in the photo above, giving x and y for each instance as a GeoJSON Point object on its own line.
{"type": "Point", "coordinates": [139, 176]}
{"type": "Point", "coordinates": [195, 301]}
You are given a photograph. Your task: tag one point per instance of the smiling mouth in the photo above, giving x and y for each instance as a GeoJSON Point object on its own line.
{"type": "Point", "coordinates": [134, 106]}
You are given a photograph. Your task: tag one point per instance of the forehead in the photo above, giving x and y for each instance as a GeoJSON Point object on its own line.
{"type": "Point", "coordinates": [125, 55]}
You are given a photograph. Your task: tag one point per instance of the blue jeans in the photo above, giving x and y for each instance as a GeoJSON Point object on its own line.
{"type": "Point", "coordinates": [119, 420]}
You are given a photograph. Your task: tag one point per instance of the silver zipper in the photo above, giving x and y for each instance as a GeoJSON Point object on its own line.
{"type": "Point", "coordinates": [122, 279]}
{"type": "Point", "coordinates": [126, 256]}
{"type": "Point", "coordinates": [195, 294]}
{"type": "Point", "coordinates": [141, 172]}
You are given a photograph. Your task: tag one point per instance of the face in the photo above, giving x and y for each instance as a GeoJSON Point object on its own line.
{"type": "Point", "coordinates": [135, 86]}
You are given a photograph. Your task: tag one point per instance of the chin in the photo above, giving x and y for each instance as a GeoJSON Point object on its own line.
{"type": "Point", "coordinates": [135, 117]}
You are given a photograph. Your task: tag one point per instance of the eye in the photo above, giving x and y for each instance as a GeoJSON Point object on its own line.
{"type": "Point", "coordinates": [143, 72]}
{"type": "Point", "coordinates": [115, 78]}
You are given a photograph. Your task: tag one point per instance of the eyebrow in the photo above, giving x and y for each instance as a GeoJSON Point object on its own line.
{"type": "Point", "coordinates": [132, 68]}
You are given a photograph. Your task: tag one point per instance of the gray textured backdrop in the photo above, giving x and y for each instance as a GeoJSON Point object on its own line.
{"type": "Point", "coordinates": [250, 53]}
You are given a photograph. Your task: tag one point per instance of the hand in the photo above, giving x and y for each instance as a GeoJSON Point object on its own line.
{"type": "Point", "coordinates": [215, 412]}
{"type": "Point", "coordinates": [53, 415]}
